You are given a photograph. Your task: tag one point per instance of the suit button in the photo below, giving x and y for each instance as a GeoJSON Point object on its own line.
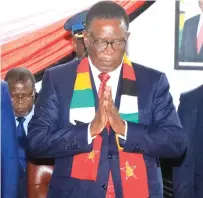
{"type": "Point", "coordinates": [104, 187]}
{"type": "Point", "coordinates": [110, 156]}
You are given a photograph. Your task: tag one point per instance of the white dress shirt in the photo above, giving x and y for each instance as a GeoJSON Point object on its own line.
{"type": "Point", "coordinates": [112, 82]}
{"type": "Point", "coordinates": [27, 120]}
{"type": "Point", "coordinates": [200, 23]}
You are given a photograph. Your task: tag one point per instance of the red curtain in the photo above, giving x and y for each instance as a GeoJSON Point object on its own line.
{"type": "Point", "coordinates": [41, 48]}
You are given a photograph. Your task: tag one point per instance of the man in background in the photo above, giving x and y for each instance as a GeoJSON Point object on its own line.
{"type": "Point", "coordinates": [21, 84]}
{"type": "Point", "coordinates": [9, 147]}
{"type": "Point", "coordinates": [191, 49]}
{"type": "Point", "coordinates": [188, 173]}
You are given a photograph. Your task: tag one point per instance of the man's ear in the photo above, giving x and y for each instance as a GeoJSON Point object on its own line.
{"type": "Point", "coordinates": [85, 37]}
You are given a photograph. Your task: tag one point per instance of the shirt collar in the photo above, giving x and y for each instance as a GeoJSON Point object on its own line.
{"type": "Point", "coordinates": [29, 115]}
{"type": "Point", "coordinates": [95, 71]}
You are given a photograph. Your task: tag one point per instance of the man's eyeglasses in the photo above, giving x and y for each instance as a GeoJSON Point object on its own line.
{"type": "Point", "coordinates": [101, 45]}
{"type": "Point", "coordinates": [24, 98]}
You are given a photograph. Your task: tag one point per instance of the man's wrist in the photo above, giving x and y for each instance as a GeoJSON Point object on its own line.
{"type": "Point", "coordinates": [122, 129]}
{"type": "Point", "coordinates": [92, 130]}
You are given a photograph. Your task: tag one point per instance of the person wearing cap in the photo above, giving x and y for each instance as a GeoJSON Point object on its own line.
{"type": "Point", "coordinates": [76, 24]}
{"type": "Point", "coordinates": [104, 119]}
{"type": "Point", "coordinates": [188, 170]}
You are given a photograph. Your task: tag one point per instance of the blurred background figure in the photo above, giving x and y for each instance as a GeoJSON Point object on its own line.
{"type": "Point", "coordinates": [21, 84]}
{"type": "Point", "coordinates": [188, 174]}
{"type": "Point", "coordinates": [76, 25]}
{"type": "Point", "coordinates": [9, 147]}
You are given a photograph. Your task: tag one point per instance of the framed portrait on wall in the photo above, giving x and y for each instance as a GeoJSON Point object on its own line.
{"type": "Point", "coordinates": [189, 35]}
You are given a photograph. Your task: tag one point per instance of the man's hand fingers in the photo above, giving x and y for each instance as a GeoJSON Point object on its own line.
{"type": "Point", "coordinates": [101, 100]}
{"type": "Point", "coordinates": [107, 92]}
{"type": "Point", "coordinates": [110, 96]}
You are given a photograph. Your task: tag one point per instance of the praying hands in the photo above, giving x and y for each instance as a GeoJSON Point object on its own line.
{"type": "Point", "coordinates": [107, 114]}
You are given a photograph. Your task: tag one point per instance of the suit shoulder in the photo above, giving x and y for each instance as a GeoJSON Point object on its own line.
{"type": "Point", "coordinates": [147, 72]}
{"type": "Point", "coordinates": [192, 19]}
{"type": "Point", "coordinates": [64, 69]}
{"type": "Point", "coordinates": [193, 95]}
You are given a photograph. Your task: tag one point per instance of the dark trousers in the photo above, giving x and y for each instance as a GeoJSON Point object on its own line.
{"type": "Point", "coordinates": [23, 183]}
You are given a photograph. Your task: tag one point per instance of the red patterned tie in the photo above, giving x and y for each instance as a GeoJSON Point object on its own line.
{"type": "Point", "coordinates": [200, 40]}
{"type": "Point", "coordinates": [104, 77]}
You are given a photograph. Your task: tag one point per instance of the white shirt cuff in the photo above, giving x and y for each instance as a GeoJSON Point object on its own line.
{"type": "Point", "coordinates": [89, 138]}
{"type": "Point", "coordinates": [126, 129]}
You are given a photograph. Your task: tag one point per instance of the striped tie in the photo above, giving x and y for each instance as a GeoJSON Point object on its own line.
{"type": "Point", "coordinates": [21, 141]}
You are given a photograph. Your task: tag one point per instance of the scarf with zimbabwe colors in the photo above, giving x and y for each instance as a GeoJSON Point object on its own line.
{"type": "Point", "coordinates": [132, 166]}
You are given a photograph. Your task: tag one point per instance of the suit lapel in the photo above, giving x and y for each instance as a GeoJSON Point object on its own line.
{"type": "Point", "coordinates": [68, 91]}
{"type": "Point", "coordinates": [199, 125]}
{"type": "Point", "coordinates": [193, 34]}
{"type": "Point", "coordinates": [119, 89]}
{"type": "Point", "coordinates": [196, 25]}
{"type": "Point", "coordinates": [94, 90]}
{"type": "Point", "coordinates": [195, 28]}
{"type": "Point", "coordinates": [143, 100]}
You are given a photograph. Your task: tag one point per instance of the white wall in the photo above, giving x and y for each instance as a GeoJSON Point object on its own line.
{"type": "Point", "coordinates": [152, 44]}
{"type": "Point", "coordinates": [25, 16]}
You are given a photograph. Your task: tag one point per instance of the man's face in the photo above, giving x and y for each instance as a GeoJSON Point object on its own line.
{"type": "Point", "coordinates": [105, 41]}
{"type": "Point", "coordinates": [22, 95]}
{"type": "Point", "coordinates": [79, 46]}
{"type": "Point", "coordinates": [201, 4]}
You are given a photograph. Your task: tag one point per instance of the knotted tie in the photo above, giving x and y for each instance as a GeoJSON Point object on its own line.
{"type": "Point", "coordinates": [104, 77]}
{"type": "Point", "coordinates": [200, 40]}
{"type": "Point", "coordinates": [21, 141]}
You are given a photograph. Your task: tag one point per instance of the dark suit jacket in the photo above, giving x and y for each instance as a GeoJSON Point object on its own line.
{"type": "Point", "coordinates": [188, 175]}
{"type": "Point", "coordinates": [188, 49]}
{"type": "Point", "coordinates": [9, 148]}
{"type": "Point", "coordinates": [159, 133]}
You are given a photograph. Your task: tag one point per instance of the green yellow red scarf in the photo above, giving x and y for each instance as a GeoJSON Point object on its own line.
{"type": "Point", "coordinates": [132, 165]}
